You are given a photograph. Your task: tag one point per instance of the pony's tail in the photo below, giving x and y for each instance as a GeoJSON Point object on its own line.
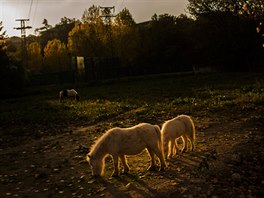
{"type": "Point", "coordinates": [189, 125]}
{"type": "Point", "coordinates": [158, 132]}
{"type": "Point", "coordinates": [193, 130]}
{"type": "Point", "coordinates": [157, 129]}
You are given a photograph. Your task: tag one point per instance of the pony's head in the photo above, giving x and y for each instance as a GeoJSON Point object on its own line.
{"type": "Point", "coordinates": [77, 97]}
{"type": "Point", "coordinates": [97, 165]}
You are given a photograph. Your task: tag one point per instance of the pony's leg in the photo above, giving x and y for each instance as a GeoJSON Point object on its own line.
{"type": "Point", "coordinates": [124, 162]}
{"type": "Point", "coordinates": [172, 148]}
{"type": "Point", "coordinates": [182, 146]}
{"type": "Point", "coordinates": [166, 149]}
{"type": "Point", "coordinates": [192, 143]}
{"type": "Point", "coordinates": [158, 152]}
{"type": "Point", "coordinates": [185, 141]}
{"type": "Point", "coordinates": [176, 146]}
{"type": "Point", "coordinates": [152, 166]}
{"type": "Point", "coordinates": [115, 173]}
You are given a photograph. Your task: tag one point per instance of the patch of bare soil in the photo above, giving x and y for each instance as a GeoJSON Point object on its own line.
{"type": "Point", "coordinates": [227, 162]}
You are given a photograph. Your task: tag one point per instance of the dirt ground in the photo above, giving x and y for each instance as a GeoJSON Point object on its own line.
{"type": "Point", "coordinates": [227, 162]}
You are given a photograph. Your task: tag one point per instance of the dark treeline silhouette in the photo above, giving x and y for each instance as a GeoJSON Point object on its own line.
{"type": "Point", "coordinates": [218, 35]}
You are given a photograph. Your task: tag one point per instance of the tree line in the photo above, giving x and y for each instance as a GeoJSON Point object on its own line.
{"type": "Point", "coordinates": [225, 35]}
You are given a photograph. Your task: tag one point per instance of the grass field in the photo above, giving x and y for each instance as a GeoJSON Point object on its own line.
{"type": "Point", "coordinates": [36, 115]}
{"type": "Point", "coordinates": [126, 102]}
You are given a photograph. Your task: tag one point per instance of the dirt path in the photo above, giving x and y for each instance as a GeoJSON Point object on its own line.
{"type": "Point", "coordinates": [228, 162]}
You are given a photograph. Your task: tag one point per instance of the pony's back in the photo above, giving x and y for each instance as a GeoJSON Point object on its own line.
{"type": "Point", "coordinates": [189, 125]}
{"type": "Point", "coordinates": [173, 128]}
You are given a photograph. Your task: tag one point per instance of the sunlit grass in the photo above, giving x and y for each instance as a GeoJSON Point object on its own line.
{"type": "Point", "coordinates": [129, 102]}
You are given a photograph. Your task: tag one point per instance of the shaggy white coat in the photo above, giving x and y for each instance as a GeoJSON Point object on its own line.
{"type": "Point", "coordinates": [119, 142]}
{"type": "Point", "coordinates": [180, 127]}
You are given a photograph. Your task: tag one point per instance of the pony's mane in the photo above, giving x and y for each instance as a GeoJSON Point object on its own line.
{"type": "Point", "coordinates": [99, 142]}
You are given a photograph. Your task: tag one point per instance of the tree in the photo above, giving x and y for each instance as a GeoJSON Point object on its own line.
{"type": "Point", "coordinates": [56, 57]}
{"type": "Point", "coordinates": [3, 56]}
{"type": "Point", "coordinates": [59, 31]}
{"type": "Point", "coordinates": [124, 19]}
{"type": "Point", "coordinates": [45, 26]}
{"type": "Point", "coordinates": [88, 38]}
{"type": "Point", "coordinates": [91, 15]}
{"type": "Point", "coordinates": [125, 37]}
{"type": "Point", "coordinates": [162, 33]}
{"type": "Point", "coordinates": [2, 36]}
{"type": "Point", "coordinates": [78, 40]}
{"type": "Point", "coordinates": [62, 29]}
{"type": "Point", "coordinates": [249, 8]}
{"type": "Point", "coordinates": [226, 32]}
{"type": "Point", "coordinates": [12, 77]}
{"type": "Point", "coordinates": [34, 58]}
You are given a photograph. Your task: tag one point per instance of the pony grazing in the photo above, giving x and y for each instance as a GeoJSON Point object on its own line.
{"type": "Point", "coordinates": [69, 93]}
{"type": "Point", "coordinates": [119, 142]}
{"type": "Point", "coordinates": [181, 126]}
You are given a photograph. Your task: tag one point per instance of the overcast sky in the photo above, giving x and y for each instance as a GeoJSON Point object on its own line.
{"type": "Point", "coordinates": [54, 10]}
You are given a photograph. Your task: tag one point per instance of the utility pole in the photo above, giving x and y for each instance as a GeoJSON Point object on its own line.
{"type": "Point", "coordinates": [108, 13]}
{"type": "Point", "coordinates": [23, 28]}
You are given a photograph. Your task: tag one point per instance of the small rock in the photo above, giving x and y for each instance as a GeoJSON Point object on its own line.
{"type": "Point", "coordinates": [215, 180]}
{"type": "Point", "coordinates": [91, 181]}
{"type": "Point", "coordinates": [236, 159]}
{"type": "Point", "coordinates": [236, 177]}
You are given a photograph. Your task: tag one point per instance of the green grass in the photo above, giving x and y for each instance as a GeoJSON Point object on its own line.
{"type": "Point", "coordinates": [127, 102]}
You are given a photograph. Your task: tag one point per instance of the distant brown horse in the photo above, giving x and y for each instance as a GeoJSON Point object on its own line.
{"type": "Point", "coordinates": [119, 142]}
{"type": "Point", "coordinates": [181, 126]}
{"type": "Point", "coordinates": [69, 93]}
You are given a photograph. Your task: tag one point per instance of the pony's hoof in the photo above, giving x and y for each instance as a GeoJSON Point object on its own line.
{"type": "Point", "coordinates": [115, 175]}
{"type": "Point", "coordinates": [126, 172]}
{"type": "Point", "coordinates": [162, 169]}
{"type": "Point", "coordinates": [152, 168]}
{"type": "Point", "coordinates": [96, 176]}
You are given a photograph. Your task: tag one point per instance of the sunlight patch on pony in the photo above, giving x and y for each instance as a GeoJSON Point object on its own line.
{"type": "Point", "coordinates": [180, 127]}
{"type": "Point", "coordinates": [119, 142]}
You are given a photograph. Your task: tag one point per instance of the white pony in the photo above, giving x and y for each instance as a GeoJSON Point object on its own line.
{"type": "Point", "coordinates": [181, 126]}
{"type": "Point", "coordinates": [119, 142]}
{"type": "Point", "coordinates": [69, 93]}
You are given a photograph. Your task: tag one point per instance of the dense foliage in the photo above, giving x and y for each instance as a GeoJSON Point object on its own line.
{"type": "Point", "coordinates": [221, 35]}
{"type": "Point", "coordinates": [11, 76]}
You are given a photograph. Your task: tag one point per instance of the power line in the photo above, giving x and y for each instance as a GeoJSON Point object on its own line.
{"type": "Point", "coordinates": [121, 5]}
{"type": "Point", "coordinates": [115, 2]}
{"type": "Point", "coordinates": [29, 12]}
{"type": "Point", "coordinates": [34, 15]}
